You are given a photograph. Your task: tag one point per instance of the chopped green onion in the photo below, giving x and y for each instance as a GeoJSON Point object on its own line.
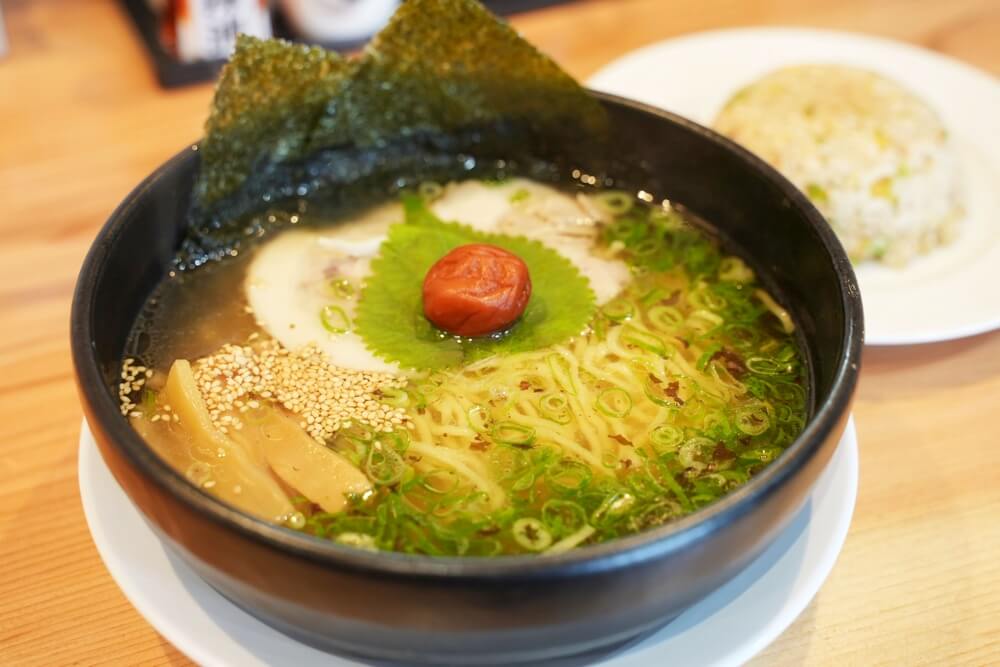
{"type": "Point", "coordinates": [599, 326]}
{"type": "Point", "coordinates": [395, 397]}
{"type": "Point", "coordinates": [671, 483]}
{"type": "Point", "coordinates": [358, 432]}
{"type": "Point", "coordinates": [149, 402]}
{"type": "Point", "coordinates": [524, 482]}
{"type": "Point", "coordinates": [334, 319]}
{"type": "Point", "coordinates": [484, 548]}
{"type": "Point", "coordinates": [763, 366]}
{"type": "Point", "coordinates": [615, 202]}
{"type": "Point", "coordinates": [658, 514]}
{"type": "Point", "coordinates": [693, 451]}
{"type": "Point", "coordinates": [614, 402]}
{"type": "Point", "coordinates": [627, 230]}
{"type": "Point", "coordinates": [512, 433]}
{"type": "Point", "coordinates": [568, 475]}
{"type": "Point", "coordinates": [645, 341]}
{"type": "Point", "coordinates": [783, 413]}
{"type": "Point", "coordinates": [704, 316]}
{"type": "Point", "coordinates": [734, 476]}
{"type": "Point", "coordinates": [296, 520]}
{"type": "Point", "coordinates": [427, 392]}
{"type": "Point", "coordinates": [785, 353]}
{"type": "Point", "coordinates": [646, 247]}
{"type": "Point", "coordinates": [508, 461]}
{"type": "Point", "coordinates": [563, 516]}
{"type": "Point", "coordinates": [716, 426]}
{"type": "Point", "coordinates": [384, 466]}
{"type": "Point", "coordinates": [618, 310]}
{"type": "Point", "coordinates": [668, 219]}
{"type": "Point", "coordinates": [789, 392]}
{"type": "Point", "coordinates": [722, 482]}
{"type": "Point", "coordinates": [753, 420]}
{"type": "Point", "coordinates": [545, 455]}
{"type": "Point", "coordinates": [735, 270]}
{"type": "Point", "coordinates": [531, 534]}
{"type": "Point", "coordinates": [665, 317]}
{"type": "Point", "coordinates": [665, 438]}
{"type": "Point", "coordinates": [706, 299]}
{"type": "Point", "coordinates": [613, 506]}
{"type": "Point", "coordinates": [652, 296]}
{"type": "Point", "coordinates": [643, 484]}
{"type": "Point", "coordinates": [398, 439]}
{"type": "Point", "coordinates": [555, 407]}
{"type": "Point", "coordinates": [610, 460]}
{"type": "Point", "coordinates": [342, 287]}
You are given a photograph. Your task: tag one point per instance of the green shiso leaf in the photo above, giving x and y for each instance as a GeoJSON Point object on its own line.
{"type": "Point", "coordinates": [390, 317]}
{"type": "Point", "coordinates": [269, 97]}
{"type": "Point", "coordinates": [437, 67]}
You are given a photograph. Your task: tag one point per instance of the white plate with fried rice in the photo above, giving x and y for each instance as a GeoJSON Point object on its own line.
{"type": "Point", "coordinates": [944, 284]}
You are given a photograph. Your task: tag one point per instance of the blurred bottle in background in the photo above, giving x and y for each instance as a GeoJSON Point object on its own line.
{"type": "Point", "coordinates": [206, 29]}
{"type": "Point", "coordinates": [188, 39]}
{"type": "Point", "coordinates": [3, 35]}
{"type": "Point", "coordinates": [333, 21]}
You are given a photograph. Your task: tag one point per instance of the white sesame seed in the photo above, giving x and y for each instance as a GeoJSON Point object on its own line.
{"type": "Point", "coordinates": [234, 379]}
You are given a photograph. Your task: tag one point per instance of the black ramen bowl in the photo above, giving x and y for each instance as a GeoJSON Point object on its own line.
{"type": "Point", "coordinates": [504, 609]}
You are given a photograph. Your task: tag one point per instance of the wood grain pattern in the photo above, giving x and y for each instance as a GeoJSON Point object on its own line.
{"type": "Point", "coordinates": [82, 121]}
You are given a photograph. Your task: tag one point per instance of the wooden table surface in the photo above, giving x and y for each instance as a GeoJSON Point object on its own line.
{"type": "Point", "coordinates": [82, 121]}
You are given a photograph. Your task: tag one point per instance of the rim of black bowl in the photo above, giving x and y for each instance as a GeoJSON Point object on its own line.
{"type": "Point", "coordinates": [607, 556]}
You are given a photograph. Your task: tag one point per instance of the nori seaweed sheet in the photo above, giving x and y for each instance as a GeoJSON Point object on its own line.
{"type": "Point", "coordinates": [445, 64]}
{"type": "Point", "coordinates": [445, 85]}
{"type": "Point", "coordinates": [267, 102]}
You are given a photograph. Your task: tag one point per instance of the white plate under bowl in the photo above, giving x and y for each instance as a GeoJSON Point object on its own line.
{"type": "Point", "coordinates": [726, 628]}
{"type": "Point", "coordinates": [949, 293]}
